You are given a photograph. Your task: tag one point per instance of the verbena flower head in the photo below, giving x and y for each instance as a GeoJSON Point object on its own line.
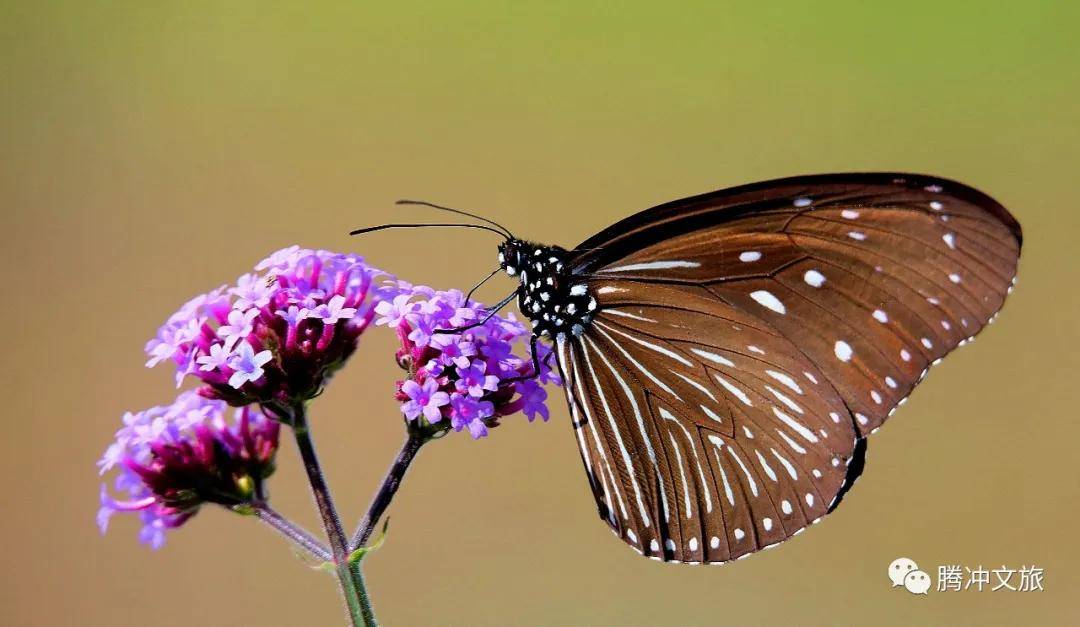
{"type": "Point", "coordinates": [462, 380]}
{"type": "Point", "coordinates": [279, 333]}
{"type": "Point", "coordinates": [172, 459]}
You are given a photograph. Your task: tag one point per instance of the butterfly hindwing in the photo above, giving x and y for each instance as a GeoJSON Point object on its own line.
{"type": "Point", "coordinates": [712, 435]}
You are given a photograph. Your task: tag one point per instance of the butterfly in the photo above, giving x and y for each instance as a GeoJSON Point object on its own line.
{"type": "Point", "coordinates": [725, 356]}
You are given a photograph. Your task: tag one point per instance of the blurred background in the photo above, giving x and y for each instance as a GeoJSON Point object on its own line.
{"type": "Point", "coordinates": [151, 151]}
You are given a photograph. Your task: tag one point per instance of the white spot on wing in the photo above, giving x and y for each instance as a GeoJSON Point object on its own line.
{"type": "Point", "coordinates": [748, 256]}
{"type": "Point", "coordinates": [814, 278]}
{"type": "Point", "coordinates": [767, 300]}
{"type": "Point", "coordinates": [843, 350]}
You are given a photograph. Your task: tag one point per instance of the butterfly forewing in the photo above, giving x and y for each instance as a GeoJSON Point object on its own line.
{"type": "Point", "coordinates": [873, 281]}
{"type": "Point", "coordinates": [746, 340]}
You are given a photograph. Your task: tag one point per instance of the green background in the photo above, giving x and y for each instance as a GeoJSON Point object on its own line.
{"type": "Point", "coordinates": [150, 151]}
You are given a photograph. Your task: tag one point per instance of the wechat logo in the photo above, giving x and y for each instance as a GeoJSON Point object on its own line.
{"type": "Point", "coordinates": [905, 572]}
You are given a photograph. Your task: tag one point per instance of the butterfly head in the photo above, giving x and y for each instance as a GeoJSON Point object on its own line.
{"type": "Point", "coordinates": [550, 296]}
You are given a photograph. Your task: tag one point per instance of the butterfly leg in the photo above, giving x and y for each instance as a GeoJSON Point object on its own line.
{"type": "Point", "coordinates": [535, 364]}
{"type": "Point", "coordinates": [491, 313]}
{"type": "Point", "coordinates": [468, 296]}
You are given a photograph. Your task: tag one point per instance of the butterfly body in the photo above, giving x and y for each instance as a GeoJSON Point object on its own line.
{"type": "Point", "coordinates": [725, 356]}
{"type": "Point", "coordinates": [555, 304]}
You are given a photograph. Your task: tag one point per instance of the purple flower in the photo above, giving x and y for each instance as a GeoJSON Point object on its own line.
{"type": "Point", "coordinates": [247, 366]}
{"type": "Point", "coordinates": [170, 460]}
{"type": "Point", "coordinates": [533, 400]}
{"type": "Point", "coordinates": [453, 349]}
{"type": "Point", "coordinates": [423, 399]}
{"type": "Point", "coordinates": [474, 371]}
{"type": "Point", "coordinates": [470, 412]}
{"type": "Point", "coordinates": [238, 327]}
{"type": "Point", "coordinates": [474, 380]}
{"type": "Point", "coordinates": [333, 311]}
{"type": "Point", "coordinates": [278, 334]}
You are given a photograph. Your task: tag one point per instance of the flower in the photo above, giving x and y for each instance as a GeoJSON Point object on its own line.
{"type": "Point", "coordinates": [278, 334]}
{"type": "Point", "coordinates": [423, 399]}
{"type": "Point", "coordinates": [172, 459]}
{"type": "Point", "coordinates": [473, 378]}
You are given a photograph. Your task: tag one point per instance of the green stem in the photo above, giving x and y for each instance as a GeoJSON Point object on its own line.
{"type": "Point", "coordinates": [352, 583]}
{"type": "Point", "coordinates": [292, 532]}
{"type": "Point", "coordinates": [388, 488]}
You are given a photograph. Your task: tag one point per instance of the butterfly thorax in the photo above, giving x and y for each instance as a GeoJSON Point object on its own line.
{"type": "Point", "coordinates": [549, 296]}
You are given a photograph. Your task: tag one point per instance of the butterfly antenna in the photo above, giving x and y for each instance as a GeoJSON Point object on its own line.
{"type": "Point", "coordinates": [424, 203]}
{"type": "Point", "coordinates": [384, 227]}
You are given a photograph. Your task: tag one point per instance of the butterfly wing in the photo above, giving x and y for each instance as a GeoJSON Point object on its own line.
{"type": "Point", "coordinates": [706, 435]}
{"type": "Point", "coordinates": [824, 297]}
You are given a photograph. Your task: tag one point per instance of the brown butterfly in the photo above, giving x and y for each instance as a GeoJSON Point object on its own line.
{"type": "Point", "coordinates": [726, 355]}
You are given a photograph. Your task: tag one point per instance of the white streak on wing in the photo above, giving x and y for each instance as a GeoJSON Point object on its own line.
{"type": "Point", "coordinates": [697, 460]}
{"type": "Point", "coordinates": [765, 466]}
{"type": "Point", "coordinates": [734, 390]}
{"type": "Point", "coordinates": [682, 474]}
{"type": "Point", "coordinates": [640, 421]}
{"type": "Point", "coordinates": [645, 371]}
{"type": "Point", "coordinates": [608, 289]}
{"type": "Point", "coordinates": [660, 349]}
{"type": "Point", "coordinates": [792, 443]}
{"type": "Point", "coordinates": [561, 347]}
{"type": "Point", "coordinates": [796, 425]}
{"type": "Point", "coordinates": [596, 440]}
{"type": "Point", "coordinates": [786, 464]}
{"type": "Point", "coordinates": [713, 357]}
{"type": "Point", "coordinates": [786, 380]}
{"type": "Point", "coordinates": [746, 471]}
{"type": "Point", "coordinates": [618, 436]}
{"type": "Point", "coordinates": [711, 414]}
{"type": "Point", "coordinates": [626, 314]}
{"type": "Point", "coordinates": [723, 478]}
{"type": "Point", "coordinates": [694, 383]}
{"type": "Point", "coordinates": [784, 399]}
{"type": "Point", "coordinates": [653, 265]}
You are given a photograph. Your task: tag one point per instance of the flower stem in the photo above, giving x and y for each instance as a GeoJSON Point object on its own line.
{"type": "Point", "coordinates": [388, 488]}
{"type": "Point", "coordinates": [352, 585]}
{"type": "Point", "coordinates": [292, 532]}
